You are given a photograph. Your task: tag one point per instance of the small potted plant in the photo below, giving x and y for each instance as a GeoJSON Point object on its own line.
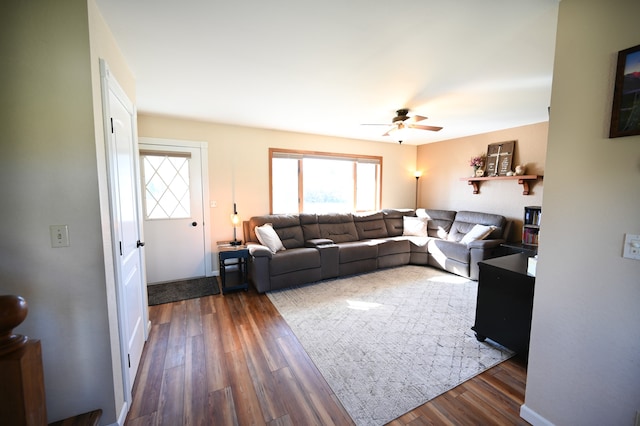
{"type": "Point", "coordinates": [477, 163]}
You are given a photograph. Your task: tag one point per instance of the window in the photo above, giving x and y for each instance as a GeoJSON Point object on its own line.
{"type": "Point", "coordinates": [166, 181]}
{"type": "Point", "coordinates": [313, 182]}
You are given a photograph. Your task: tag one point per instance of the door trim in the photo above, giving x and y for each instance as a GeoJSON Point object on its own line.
{"type": "Point", "coordinates": [204, 167]}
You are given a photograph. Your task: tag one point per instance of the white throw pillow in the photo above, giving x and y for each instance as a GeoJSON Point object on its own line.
{"type": "Point", "coordinates": [268, 237]}
{"type": "Point", "coordinates": [478, 232]}
{"type": "Point", "coordinates": [414, 226]}
{"type": "Point", "coordinates": [421, 213]}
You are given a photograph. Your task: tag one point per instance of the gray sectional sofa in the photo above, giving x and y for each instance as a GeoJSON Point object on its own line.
{"type": "Point", "coordinates": [323, 246]}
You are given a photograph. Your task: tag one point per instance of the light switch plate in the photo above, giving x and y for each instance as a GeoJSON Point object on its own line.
{"type": "Point", "coordinates": [59, 235]}
{"type": "Point", "coordinates": [631, 248]}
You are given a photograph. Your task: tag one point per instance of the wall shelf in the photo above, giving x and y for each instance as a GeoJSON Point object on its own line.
{"type": "Point", "coordinates": [523, 180]}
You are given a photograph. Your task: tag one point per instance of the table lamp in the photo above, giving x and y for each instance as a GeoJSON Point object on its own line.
{"type": "Point", "coordinates": [235, 220]}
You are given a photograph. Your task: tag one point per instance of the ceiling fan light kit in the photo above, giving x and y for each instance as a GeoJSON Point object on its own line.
{"type": "Point", "coordinates": [401, 122]}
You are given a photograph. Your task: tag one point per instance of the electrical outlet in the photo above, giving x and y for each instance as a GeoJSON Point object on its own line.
{"type": "Point", "coordinates": [631, 249]}
{"type": "Point", "coordinates": [59, 235]}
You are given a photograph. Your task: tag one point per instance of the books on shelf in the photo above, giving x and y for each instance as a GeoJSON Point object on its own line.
{"type": "Point", "coordinates": [531, 228]}
{"type": "Point", "coordinates": [530, 236]}
{"type": "Point", "coordinates": [532, 216]}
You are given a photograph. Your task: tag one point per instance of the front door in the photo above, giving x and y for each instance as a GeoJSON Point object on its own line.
{"type": "Point", "coordinates": [174, 225]}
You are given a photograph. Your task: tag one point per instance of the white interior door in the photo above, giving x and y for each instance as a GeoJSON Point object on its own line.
{"type": "Point", "coordinates": [174, 227]}
{"type": "Point", "coordinates": [122, 157]}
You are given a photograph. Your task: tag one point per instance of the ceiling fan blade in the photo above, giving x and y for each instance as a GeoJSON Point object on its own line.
{"type": "Point", "coordinates": [401, 121]}
{"type": "Point", "coordinates": [417, 118]}
{"type": "Point", "coordinates": [417, 126]}
{"type": "Point", "coordinates": [392, 129]}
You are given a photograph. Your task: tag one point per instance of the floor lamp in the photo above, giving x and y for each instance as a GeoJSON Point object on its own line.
{"type": "Point", "coordinates": [417, 174]}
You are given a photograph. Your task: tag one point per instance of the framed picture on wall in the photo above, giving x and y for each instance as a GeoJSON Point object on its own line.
{"type": "Point", "coordinates": [499, 158]}
{"type": "Point", "coordinates": [625, 115]}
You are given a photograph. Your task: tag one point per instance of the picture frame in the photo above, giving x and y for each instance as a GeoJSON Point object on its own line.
{"type": "Point", "coordinates": [500, 158]}
{"type": "Point", "coordinates": [625, 114]}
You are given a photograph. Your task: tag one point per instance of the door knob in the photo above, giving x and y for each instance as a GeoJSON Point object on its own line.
{"type": "Point", "coordinates": [139, 243]}
{"type": "Point", "coordinates": [194, 223]}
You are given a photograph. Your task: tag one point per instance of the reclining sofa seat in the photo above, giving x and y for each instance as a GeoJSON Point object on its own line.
{"type": "Point", "coordinates": [295, 265]}
{"type": "Point", "coordinates": [323, 246]}
{"type": "Point", "coordinates": [446, 252]}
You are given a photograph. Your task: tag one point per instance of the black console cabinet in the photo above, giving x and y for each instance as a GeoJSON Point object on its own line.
{"type": "Point", "coordinates": [505, 302]}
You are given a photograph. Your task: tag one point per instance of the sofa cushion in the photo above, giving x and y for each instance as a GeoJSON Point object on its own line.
{"type": "Point", "coordinates": [466, 220]}
{"type": "Point", "coordinates": [478, 232]}
{"type": "Point", "coordinates": [394, 222]}
{"type": "Point", "coordinates": [448, 249]}
{"type": "Point", "coordinates": [287, 226]}
{"type": "Point", "coordinates": [310, 227]}
{"type": "Point", "coordinates": [414, 226]}
{"type": "Point", "coordinates": [338, 227]}
{"type": "Point", "coordinates": [293, 260]}
{"type": "Point", "coordinates": [370, 226]}
{"type": "Point", "coordinates": [417, 243]}
{"type": "Point", "coordinates": [268, 237]}
{"type": "Point", "coordinates": [393, 246]}
{"type": "Point", "coordinates": [440, 221]}
{"type": "Point", "coordinates": [357, 250]}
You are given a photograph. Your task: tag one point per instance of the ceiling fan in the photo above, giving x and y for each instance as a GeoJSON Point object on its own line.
{"type": "Point", "coordinates": [403, 121]}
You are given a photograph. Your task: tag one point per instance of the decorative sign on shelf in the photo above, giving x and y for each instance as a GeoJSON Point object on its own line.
{"type": "Point", "coordinates": [499, 158]}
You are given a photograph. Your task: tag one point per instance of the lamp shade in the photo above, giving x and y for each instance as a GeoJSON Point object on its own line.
{"type": "Point", "coordinates": [235, 218]}
{"type": "Point", "coordinates": [400, 133]}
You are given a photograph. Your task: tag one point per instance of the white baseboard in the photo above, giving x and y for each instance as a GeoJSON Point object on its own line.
{"type": "Point", "coordinates": [123, 415]}
{"type": "Point", "coordinates": [532, 417]}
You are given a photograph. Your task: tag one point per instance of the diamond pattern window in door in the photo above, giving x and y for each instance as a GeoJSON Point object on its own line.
{"type": "Point", "coordinates": [166, 181]}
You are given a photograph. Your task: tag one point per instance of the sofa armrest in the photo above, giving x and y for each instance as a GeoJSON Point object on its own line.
{"type": "Point", "coordinates": [257, 250]}
{"type": "Point", "coordinates": [259, 266]}
{"type": "Point", "coordinates": [482, 250]}
{"type": "Point", "coordinates": [484, 244]}
{"type": "Point", "coordinates": [317, 242]}
{"type": "Point", "coordinates": [329, 260]}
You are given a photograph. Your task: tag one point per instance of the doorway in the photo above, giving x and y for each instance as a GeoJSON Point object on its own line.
{"type": "Point", "coordinates": [174, 187]}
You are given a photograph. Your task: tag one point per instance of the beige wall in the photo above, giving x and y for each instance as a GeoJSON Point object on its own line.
{"type": "Point", "coordinates": [50, 176]}
{"type": "Point", "coordinates": [239, 164]}
{"type": "Point", "coordinates": [444, 163]}
{"type": "Point", "coordinates": [584, 364]}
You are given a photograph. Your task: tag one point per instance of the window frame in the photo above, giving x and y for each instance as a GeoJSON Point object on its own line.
{"type": "Point", "coordinates": [328, 155]}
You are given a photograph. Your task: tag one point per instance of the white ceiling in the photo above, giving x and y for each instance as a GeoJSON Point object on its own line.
{"type": "Point", "coordinates": [327, 66]}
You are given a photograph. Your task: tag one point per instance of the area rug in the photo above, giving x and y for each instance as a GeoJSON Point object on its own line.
{"type": "Point", "coordinates": [182, 290]}
{"type": "Point", "coordinates": [391, 340]}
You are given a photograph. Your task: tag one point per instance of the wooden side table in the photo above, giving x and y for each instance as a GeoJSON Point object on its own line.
{"type": "Point", "coordinates": [234, 274]}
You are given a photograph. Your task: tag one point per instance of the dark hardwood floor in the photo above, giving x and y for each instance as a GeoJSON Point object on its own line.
{"type": "Point", "coordinates": [232, 360]}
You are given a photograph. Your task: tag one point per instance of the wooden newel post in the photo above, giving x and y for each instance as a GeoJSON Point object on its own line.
{"type": "Point", "coordinates": [22, 397]}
